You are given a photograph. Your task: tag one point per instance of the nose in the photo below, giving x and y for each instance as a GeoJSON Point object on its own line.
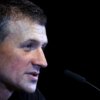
{"type": "Point", "coordinates": [39, 58]}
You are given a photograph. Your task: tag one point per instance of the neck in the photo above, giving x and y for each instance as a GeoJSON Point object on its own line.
{"type": "Point", "coordinates": [4, 92]}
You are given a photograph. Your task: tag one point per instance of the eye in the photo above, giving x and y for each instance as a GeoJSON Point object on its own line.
{"type": "Point", "coordinates": [29, 47]}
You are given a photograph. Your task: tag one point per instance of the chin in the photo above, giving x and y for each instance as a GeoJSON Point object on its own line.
{"type": "Point", "coordinates": [30, 88]}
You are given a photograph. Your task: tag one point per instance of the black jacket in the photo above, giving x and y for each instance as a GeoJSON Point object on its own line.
{"type": "Point", "coordinates": [27, 96]}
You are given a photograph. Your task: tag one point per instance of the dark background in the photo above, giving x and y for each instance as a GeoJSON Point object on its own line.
{"type": "Point", "coordinates": [73, 34]}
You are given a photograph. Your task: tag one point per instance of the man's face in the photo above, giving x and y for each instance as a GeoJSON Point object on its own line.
{"type": "Point", "coordinates": [21, 55]}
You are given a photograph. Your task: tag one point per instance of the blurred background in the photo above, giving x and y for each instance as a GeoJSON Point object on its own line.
{"type": "Point", "coordinates": [73, 34]}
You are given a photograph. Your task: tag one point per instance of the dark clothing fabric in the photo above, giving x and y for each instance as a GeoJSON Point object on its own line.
{"type": "Point", "coordinates": [27, 96]}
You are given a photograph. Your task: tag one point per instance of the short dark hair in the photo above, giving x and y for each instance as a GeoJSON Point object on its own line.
{"type": "Point", "coordinates": [17, 9]}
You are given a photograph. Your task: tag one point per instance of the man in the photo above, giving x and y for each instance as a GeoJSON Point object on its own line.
{"type": "Point", "coordinates": [22, 37]}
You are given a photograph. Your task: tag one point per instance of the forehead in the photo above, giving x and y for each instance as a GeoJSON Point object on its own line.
{"type": "Point", "coordinates": [23, 30]}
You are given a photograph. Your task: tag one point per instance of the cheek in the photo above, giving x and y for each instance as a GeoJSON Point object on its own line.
{"type": "Point", "coordinates": [19, 65]}
{"type": "Point", "coordinates": [14, 64]}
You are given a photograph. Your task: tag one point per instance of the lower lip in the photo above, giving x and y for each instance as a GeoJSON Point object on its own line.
{"type": "Point", "coordinates": [31, 77]}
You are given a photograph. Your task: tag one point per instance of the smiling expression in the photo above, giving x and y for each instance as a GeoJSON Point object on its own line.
{"type": "Point", "coordinates": [21, 54]}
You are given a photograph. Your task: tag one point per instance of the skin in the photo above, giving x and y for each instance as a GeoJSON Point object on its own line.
{"type": "Point", "coordinates": [21, 56]}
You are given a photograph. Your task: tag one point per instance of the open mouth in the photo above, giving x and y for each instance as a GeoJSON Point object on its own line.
{"type": "Point", "coordinates": [35, 74]}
